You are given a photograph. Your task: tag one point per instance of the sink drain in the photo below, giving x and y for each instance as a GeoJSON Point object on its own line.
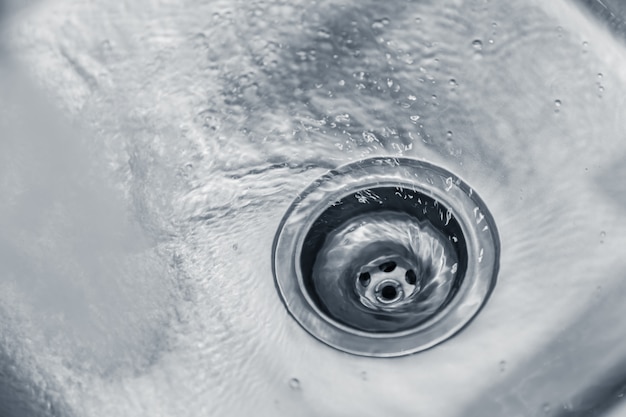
{"type": "Point", "coordinates": [386, 257]}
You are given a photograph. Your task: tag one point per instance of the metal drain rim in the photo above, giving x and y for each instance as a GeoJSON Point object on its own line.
{"type": "Point", "coordinates": [475, 221]}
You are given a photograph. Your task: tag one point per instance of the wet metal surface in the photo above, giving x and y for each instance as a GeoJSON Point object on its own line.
{"type": "Point", "coordinates": [149, 150]}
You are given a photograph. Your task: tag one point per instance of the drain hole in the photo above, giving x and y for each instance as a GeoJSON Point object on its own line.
{"type": "Point", "coordinates": [387, 266]}
{"type": "Point", "coordinates": [410, 277]}
{"type": "Point", "coordinates": [389, 292]}
{"type": "Point", "coordinates": [364, 279]}
{"type": "Point", "coordinates": [386, 256]}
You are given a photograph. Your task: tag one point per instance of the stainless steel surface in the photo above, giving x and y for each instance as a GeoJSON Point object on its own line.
{"type": "Point", "coordinates": [149, 149]}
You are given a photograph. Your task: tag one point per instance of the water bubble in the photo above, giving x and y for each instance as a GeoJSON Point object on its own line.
{"type": "Point", "coordinates": [364, 376]}
{"type": "Point", "coordinates": [323, 34]}
{"type": "Point", "coordinates": [434, 97]}
{"type": "Point", "coordinates": [600, 75]}
{"type": "Point", "coordinates": [294, 384]}
{"type": "Point", "coordinates": [502, 366]}
{"type": "Point", "coordinates": [453, 82]}
{"type": "Point", "coordinates": [412, 97]}
{"type": "Point", "coordinates": [546, 408]}
{"type": "Point", "coordinates": [342, 82]}
{"type": "Point", "coordinates": [477, 44]}
{"type": "Point", "coordinates": [369, 137]}
{"type": "Point", "coordinates": [106, 45]}
{"type": "Point", "coordinates": [414, 118]}
{"type": "Point", "coordinates": [602, 236]}
{"type": "Point", "coordinates": [449, 134]}
{"type": "Point", "coordinates": [381, 23]}
{"type": "Point", "coordinates": [557, 105]}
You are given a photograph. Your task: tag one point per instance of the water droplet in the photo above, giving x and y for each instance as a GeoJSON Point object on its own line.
{"type": "Point", "coordinates": [342, 83]}
{"type": "Point", "coordinates": [602, 236]}
{"type": "Point", "coordinates": [418, 20]}
{"type": "Point", "coordinates": [494, 24]}
{"type": "Point", "coordinates": [294, 383]}
{"type": "Point", "coordinates": [600, 76]}
{"type": "Point", "coordinates": [381, 23]}
{"type": "Point", "coordinates": [323, 33]}
{"type": "Point", "coordinates": [491, 41]}
{"type": "Point", "coordinates": [502, 366]}
{"type": "Point", "coordinates": [477, 44]}
{"type": "Point", "coordinates": [601, 89]}
{"type": "Point", "coordinates": [557, 105]}
{"type": "Point", "coordinates": [449, 134]}
{"type": "Point", "coordinates": [414, 118]}
{"type": "Point", "coordinates": [389, 82]}
{"type": "Point", "coordinates": [106, 45]}
{"type": "Point", "coordinates": [453, 82]}
{"type": "Point", "coordinates": [434, 97]}
{"type": "Point", "coordinates": [369, 137]}
{"type": "Point", "coordinates": [364, 376]}
{"type": "Point", "coordinates": [546, 408]}
{"type": "Point", "coordinates": [412, 97]}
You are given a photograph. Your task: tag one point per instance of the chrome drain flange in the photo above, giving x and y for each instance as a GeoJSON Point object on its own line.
{"type": "Point", "coordinates": [386, 257]}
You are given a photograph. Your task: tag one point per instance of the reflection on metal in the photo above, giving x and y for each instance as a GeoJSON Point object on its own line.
{"type": "Point", "coordinates": [386, 257]}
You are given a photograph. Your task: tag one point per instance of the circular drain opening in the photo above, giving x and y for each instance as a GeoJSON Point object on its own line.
{"type": "Point", "coordinates": [389, 293]}
{"type": "Point", "coordinates": [386, 257]}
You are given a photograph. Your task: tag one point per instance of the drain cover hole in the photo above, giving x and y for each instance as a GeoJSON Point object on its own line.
{"type": "Point", "coordinates": [389, 292]}
{"type": "Point", "coordinates": [364, 279]}
{"type": "Point", "coordinates": [410, 277]}
{"type": "Point", "coordinates": [387, 266]}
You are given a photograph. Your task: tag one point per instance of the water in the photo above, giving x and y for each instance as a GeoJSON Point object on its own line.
{"type": "Point", "coordinates": [137, 219]}
{"type": "Point", "coordinates": [386, 247]}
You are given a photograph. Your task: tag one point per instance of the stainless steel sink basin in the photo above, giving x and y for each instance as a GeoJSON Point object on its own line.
{"type": "Point", "coordinates": [149, 149]}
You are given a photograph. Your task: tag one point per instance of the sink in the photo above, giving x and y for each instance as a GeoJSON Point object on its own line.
{"type": "Point", "coordinates": [150, 149]}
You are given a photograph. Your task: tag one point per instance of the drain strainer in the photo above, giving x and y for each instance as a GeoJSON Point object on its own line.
{"type": "Point", "coordinates": [386, 257]}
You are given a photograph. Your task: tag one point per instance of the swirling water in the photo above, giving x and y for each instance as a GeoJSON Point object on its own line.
{"type": "Point", "coordinates": [368, 243]}
{"type": "Point", "coordinates": [137, 221]}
